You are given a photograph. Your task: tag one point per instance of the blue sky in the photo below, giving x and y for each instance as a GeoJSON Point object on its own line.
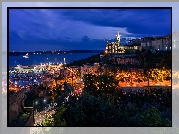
{"type": "Point", "coordinates": [69, 29]}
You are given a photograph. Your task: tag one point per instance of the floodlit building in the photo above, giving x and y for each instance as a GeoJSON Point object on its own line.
{"type": "Point", "coordinates": [89, 69]}
{"type": "Point", "coordinates": [27, 69]}
{"type": "Point", "coordinates": [114, 47]}
{"type": "Point", "coordinates": [162, 43]}
{"type": "Point", "coordinates": [24, 69]}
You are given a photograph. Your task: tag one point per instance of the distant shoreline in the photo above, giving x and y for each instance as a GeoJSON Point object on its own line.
{"type": "Point", "coordinates": [54, 55]}
{"type": "Point", "coordinates": [55, 52]}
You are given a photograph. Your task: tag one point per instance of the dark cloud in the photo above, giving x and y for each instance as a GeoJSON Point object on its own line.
{"type": "Point", "coordinates": [138, 21]}
{"type": "Point", "coordinates": [35, 29]}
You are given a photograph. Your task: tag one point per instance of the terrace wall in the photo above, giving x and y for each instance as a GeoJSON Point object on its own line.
{"type": "Point", "coordinates": [30, 121]}
{"type": "Point", "coordinates": [16, 104]}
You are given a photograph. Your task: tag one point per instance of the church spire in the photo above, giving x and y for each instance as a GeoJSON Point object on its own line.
{"type": "Point", "coordinates": [118, 36]}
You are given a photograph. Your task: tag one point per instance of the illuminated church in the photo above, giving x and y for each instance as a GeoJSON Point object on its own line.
{"type": "Point", "coordinates": [114, 47]}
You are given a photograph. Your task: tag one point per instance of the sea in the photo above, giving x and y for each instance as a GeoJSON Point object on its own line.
{"type": "Point", "coordinates": [37, 59]}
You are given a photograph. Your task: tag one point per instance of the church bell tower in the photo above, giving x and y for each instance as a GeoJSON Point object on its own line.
{"type": "Point", "coordinates": [118, 37]}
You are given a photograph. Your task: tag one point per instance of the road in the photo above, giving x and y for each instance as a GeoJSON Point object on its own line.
{"type": "Point", "coordinates": [40, 116]}
{"type": "Point", "coordinates": [144, 84]}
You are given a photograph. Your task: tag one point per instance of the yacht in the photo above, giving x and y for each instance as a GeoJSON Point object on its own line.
{"type": "Point", "coordinates": [26, 56]}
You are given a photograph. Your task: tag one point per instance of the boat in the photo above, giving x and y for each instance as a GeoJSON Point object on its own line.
{"type": "Point", "coordinates": [26, 56]}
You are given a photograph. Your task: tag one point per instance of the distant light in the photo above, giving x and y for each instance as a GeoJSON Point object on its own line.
{"type": "Point", "coordinates": [12, 51]}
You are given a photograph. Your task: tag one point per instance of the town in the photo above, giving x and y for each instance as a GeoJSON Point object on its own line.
{"type": "Point", "coordinates": [143, 65]}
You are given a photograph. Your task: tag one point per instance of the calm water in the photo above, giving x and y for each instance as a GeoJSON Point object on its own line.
{"type": "Point", "coordinates": [45, 58]}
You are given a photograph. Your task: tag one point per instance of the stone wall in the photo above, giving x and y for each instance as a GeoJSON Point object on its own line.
{"type": "Point", "coordinates": [30, 120]}
{"type": "Point", "coordinates": [16, 104]}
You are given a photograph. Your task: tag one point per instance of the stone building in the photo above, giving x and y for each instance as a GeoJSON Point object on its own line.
{"type": "Point", "coordinates": [114, 47]}
{"type": "Point", "coordinates": [153, 43]}
{"type": "Point", "coordinates": [162, 43]}
{"type": "Point", "coordinates": [89, 69]}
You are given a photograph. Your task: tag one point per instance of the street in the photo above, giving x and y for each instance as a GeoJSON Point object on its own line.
{"type": "Point", "coordinates": [40, 116]}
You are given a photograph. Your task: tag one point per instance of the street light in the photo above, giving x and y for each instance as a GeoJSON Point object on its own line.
{"type": "Point", "coordinates": [44, 103]}
{"type": "Point", "coordinates": [36, 106]}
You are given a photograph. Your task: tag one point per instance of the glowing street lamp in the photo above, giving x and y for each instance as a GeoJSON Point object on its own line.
{"type": "Point", "coordinates": [36, 105]}
{"type": "Point", "coordinates": [44, 103]}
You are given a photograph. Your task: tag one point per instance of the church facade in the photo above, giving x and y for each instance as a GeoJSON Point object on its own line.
{"type": "Point", "coordinates": [114, 47]}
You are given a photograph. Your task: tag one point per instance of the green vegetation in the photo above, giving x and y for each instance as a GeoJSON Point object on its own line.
{"type": "Point", "coordinates": [55, 119]}
{"type": "Point", "coordinates": [102, 105]}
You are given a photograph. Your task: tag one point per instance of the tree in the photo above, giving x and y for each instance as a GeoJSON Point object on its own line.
{"type": "Point", "coordinates": [150, 118]}
{"type": "Point", "coordinates": [58, 121]}
{"type": "Point", "coordinates": [89, 111]}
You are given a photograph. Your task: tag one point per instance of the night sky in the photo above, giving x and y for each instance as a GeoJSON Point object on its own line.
{"type": "Point", "coordinates": [89, 29]}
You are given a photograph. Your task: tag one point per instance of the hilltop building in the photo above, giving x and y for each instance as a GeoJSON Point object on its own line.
{"type": "Point", "coordinates": [159, 43]}
{"type": "Point", "coordinates": [114, 47]}
{"type": "Point", "coordinates": [162, 43]}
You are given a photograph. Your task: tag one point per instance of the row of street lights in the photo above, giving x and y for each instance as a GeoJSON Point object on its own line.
{"type": "Point", "coordinates": [36, 103]}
